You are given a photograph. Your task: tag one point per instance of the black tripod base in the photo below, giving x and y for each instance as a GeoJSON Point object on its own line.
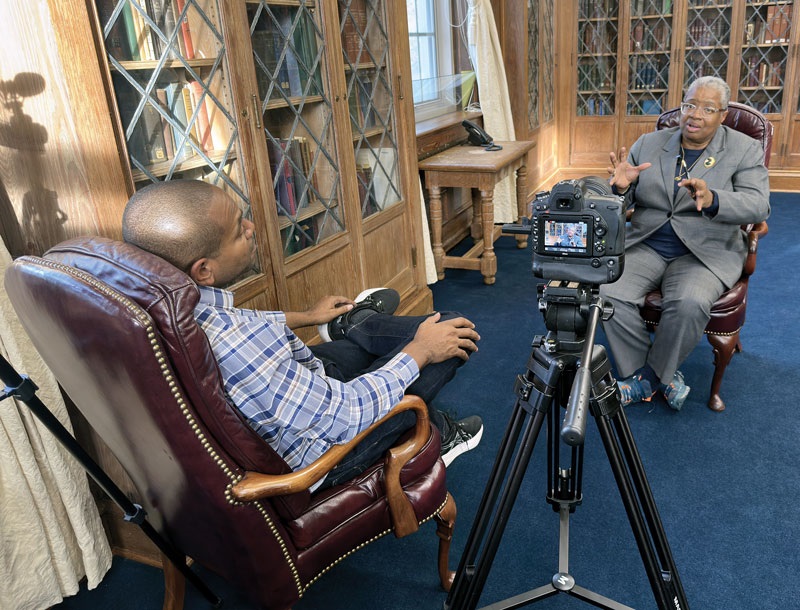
{"type": "Point", "coordinates": [562, 583]}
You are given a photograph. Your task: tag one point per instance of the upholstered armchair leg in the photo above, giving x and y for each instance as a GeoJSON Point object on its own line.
{"type": "Point", "coordinates": [174, 585]}
{"type": "Point", "coordinates": [445, 523]}
{"type": "Point", "coordinates": [724, 346]}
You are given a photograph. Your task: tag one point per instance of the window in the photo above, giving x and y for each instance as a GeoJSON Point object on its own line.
{"type": "Point", "coordinates": [437, 86]}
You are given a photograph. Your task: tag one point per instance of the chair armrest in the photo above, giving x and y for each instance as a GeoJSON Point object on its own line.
{"type": "Point", "coordinates": [754, 233]}
{"type": "Point", "coordinates": [256, 485]}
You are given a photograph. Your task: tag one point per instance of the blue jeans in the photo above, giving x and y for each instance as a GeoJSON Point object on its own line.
{"type": "Point", "coordinates": [369, 345]}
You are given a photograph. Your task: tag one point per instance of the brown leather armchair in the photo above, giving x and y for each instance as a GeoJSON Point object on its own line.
{"type": "Point", "coordinates": [115, 325]}
{"type": "Point", "coordinates": [728, 313]}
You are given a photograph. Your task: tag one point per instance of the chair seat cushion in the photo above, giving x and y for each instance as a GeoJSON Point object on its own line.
{"type": "Point", "coordinates": [727, 313]}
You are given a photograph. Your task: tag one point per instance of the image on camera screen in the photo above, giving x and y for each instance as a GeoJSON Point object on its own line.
{"type": "Point", "coordinates": [560, 236]}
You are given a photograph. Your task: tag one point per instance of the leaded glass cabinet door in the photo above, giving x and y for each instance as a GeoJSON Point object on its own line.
{"type": "Point", "coordinates": [598, 28]}
{"type": "Point", "coordinates": [650, 44]}
{"type": "Point", "coordinates": [288, 49]}
{"type": "Point", "coordinates": [368, 75]}
{"type": "Point", "coordinates": [171, 81]}
{"type": "Point", "coordinates": [541, 82]}
{"type": "Point", "coordinates": [708, 39]}
{"type": "Point", "coordinates": [765, 52]}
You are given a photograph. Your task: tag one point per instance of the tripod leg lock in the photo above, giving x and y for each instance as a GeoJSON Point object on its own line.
{"type": "Point", "coordinates": [137, 516]}
{"type": "Point", "coordinates": [25, 391]}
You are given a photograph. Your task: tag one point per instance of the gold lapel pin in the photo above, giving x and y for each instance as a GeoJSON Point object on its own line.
{"type": "Point", "coordinates": [710, 162]}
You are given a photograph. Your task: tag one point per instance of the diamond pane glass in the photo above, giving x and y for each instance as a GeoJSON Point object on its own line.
{"type": "Point", "coordinates": [533, 64]}
{"type": "Point", "coordinates": [298, 122]}
{"type": "Point", "coordinates": [365, 46]}
{"type": "Point", "coordinates": [707, 40]}
{"type": "Point", "coordinates": [548, 58]}
{"type": "Point", "coordinates": [764, 55]}
{"type": "Point", "coordinates": [597, 57]}
{"type": "Point", "coordinates": [648, 59]}
{"type": "Point", "coordinates": [171, 81]}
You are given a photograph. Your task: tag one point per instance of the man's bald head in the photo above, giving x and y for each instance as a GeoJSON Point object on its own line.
{"type": "Point", "coordinates": [171, 219]}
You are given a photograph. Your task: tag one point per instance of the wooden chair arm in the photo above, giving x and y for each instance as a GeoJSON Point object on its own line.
{"type": "Point", "coordinates": [256, 485]}
{"type": "Point", "coordinates": [754, 233]}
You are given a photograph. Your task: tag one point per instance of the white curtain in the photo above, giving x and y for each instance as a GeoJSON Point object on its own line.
{"type": "Point", "coordinates": [487, 59]}
{"type": "Point", "coordinates": [51, 535]}
{"type": "Point", "coordinates": [430, 265]}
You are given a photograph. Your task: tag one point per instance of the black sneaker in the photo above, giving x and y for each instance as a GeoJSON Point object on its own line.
{"type": "Point", "coordinates": [381, 300]}
{"type": "Point", "coordinates": [463, 436]}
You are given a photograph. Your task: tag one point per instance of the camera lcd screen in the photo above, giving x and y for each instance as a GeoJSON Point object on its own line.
{"type": "Point", "coordinates": [565, 236]}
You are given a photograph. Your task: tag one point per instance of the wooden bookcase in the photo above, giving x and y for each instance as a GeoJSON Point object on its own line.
{"type": "Point", "coordinates": [297, 108]}
{"type": "Point", "coordinates": [631, 59]}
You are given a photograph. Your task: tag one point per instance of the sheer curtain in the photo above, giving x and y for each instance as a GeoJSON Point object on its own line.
{"type": "Point", "coordinates": [487, 58]}
{"type": "Point", "coordinates": [50, 528]}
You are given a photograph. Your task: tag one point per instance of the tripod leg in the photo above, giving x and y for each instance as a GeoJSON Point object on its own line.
{"type": "Point", "coordinates": [471, 576]}
{"type": "Point", "coordinates": [638, 500]}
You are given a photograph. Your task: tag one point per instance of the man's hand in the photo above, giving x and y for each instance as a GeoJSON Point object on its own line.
{"type": "Point", "coordinates": [623, 174]}
{"type": "Point", "coordinates": [698, 189]}
{"type": "Point", "coordinates": [437, 341]}
{"type": "Point", "coordinates": [322, 312]}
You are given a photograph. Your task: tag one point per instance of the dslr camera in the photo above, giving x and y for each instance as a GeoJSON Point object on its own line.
{"type": "Point", "coordinates": [578, 232]}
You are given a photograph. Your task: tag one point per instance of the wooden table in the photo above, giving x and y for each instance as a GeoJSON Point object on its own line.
{"type": "Point", "coordinates": [476, 168]}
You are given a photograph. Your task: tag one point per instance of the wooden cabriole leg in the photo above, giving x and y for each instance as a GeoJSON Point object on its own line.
{"type": "Point", "coordinates": [724, 346]}
{"type": "Point", "coordinates": [445, 523]}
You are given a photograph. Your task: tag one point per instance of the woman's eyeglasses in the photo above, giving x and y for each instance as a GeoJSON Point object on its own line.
{"type": "Point", "coordinates": [687, 108]}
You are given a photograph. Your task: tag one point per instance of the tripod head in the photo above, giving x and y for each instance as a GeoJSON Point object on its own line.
{"type": "Point", "coordinates": [566, 307]}
{"type": "Point", "coordinates": [571, 312]}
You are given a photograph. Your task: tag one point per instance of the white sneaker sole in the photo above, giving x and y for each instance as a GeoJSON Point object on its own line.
{"type": "Point", "coordinates": [451, 455]}
{"type": "Point", "coordinates": [322, 329]}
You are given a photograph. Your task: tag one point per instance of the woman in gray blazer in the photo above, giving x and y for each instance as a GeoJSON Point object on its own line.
{"type": "Point", "coordinates": [691, 187]}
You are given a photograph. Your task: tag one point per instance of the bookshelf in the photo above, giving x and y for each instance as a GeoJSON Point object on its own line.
{"type": "Point", "coordinates": [295, 108]}
{"type": "Point", "coordinates": [646, 52]}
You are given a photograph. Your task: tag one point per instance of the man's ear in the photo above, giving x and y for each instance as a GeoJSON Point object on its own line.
{"type": "Point", "coordinates": [201, 272]}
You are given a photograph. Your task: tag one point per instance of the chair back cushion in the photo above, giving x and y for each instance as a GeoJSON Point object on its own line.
{"type": "Point", "coordinates": [740, 117]}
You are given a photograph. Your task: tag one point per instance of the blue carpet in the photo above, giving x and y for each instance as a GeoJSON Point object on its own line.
{"type": "Point", "coordinates": [726, 484]}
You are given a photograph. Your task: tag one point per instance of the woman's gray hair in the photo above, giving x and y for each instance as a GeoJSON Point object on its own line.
{"type": "Point", "coordinates": [717, 84]}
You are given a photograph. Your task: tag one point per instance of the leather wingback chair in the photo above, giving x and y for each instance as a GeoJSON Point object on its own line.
{"type": "Point", "coordinates": [115, 325]}
{"type": "Point", "coordinates": [728, 312]}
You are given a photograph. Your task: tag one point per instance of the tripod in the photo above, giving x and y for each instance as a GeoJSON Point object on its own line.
{"type": "Point", "coordinates": [566, 368]}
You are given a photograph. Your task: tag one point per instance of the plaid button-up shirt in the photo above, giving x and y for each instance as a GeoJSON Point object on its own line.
{"type": "Point", "coordinates": [281, 387]}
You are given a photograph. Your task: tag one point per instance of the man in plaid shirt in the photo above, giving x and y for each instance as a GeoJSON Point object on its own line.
{"type": "Point", "coordinates": [304, 399]}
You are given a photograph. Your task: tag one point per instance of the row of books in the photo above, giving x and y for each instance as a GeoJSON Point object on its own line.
{"type": "Point", "coordinates": [597, 38]}
{"type": "Point", "coordinates": [761, 73]}
{"type": "Point", "coordinates": [131, 37]}
{"type": "Point", "coordinates": [596, 74]}
{"type": "Point", "coordinates": [164, 130]}
{"type": "Point", "coordinates": [770, 27]}
{"type": "Point", "coordinates": [286, 54]}
{"type": "Point", "coordinates": [360, 32]}
{"type": "Point", "coordinates": [707, 31]}
{"type": "Point", "coordinates": [596, 105]}
{"type": "Point", "coordinates": [651, 7]}
{"type": "Point", "coordinates": [649, 73]}
{"type": "Point", "coordinates": [597, 9]}
{"type": "Point", "coordinates": [368, 103]}
{"type": "Point", "coordinates": [647, 39]}
{"type": "Point", "coordinates": [290, 162]}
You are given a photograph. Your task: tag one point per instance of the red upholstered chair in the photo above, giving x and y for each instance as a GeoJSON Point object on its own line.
{"type": "Point", "coordinates": [728, 313]}
{"type": "Point", "coordinates": [115, 325]}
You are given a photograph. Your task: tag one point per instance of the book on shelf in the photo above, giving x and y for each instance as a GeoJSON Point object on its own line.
{"type": "Point", "coordinates": [162, 12]}
{"type": "Point", "coordinates": [284, 17]}
{"type": "Point", "coordinates": [144, 40]}
{"type": "Point", "coordinates": [117, 39]}
{"type": "Point", "coordinates": [185, 42]}
{"type": "Point", "coordinates": [198, 107]}
{"type": "Point", "coordinates": [384, 179]}
{"type": "Point", "coordinates": [268, 45]}
{"type": "Point", "coordinates": [182, 134]}
{"type": "Point", "coordinates": [169, 137]}
{"type": "Point", "coordinates": [282, 179]}
{"type": "Point", "coordinates": [145, 133]}
{"type": "Point", "coordinates": [354, 31]}
{"type": "Point", "coordinates": [305, 46]}
{"type": "Point", "coordinates": [290, 164]}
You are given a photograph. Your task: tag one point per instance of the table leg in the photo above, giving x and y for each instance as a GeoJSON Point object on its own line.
{"type": "Point", "coordinates": [435, 204]}
{"type": "Point", "coordinates": [488, 258]}
{"type": "Point", "coordinates": [522, 201]}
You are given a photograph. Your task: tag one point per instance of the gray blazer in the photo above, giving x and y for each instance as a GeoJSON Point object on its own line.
{"type": "Point", "coordinates": [732, 166]}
